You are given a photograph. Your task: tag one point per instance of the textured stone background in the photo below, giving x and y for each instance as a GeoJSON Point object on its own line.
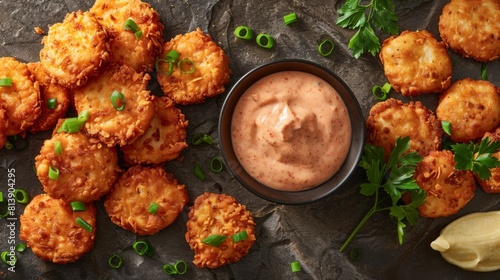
{"type": "Point", "coordinates": [311, 234]}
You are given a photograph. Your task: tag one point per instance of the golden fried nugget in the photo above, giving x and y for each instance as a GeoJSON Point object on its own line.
{"type": "Point", "coordinates": [222, 215]}
{"type": "Point", "coordinates": [4, 123]}
{"type": "Point", "coordinates": [111, 125]}
{"type": "Point", "coordinates": [49, 90]}
{"type": "Point", "coordinates": [492, 185]}
{"type": "Point", "coordinates": [472, 107]}
{"type": "Point", "coordinates": [164, 140]}
{"type": "Point", "coordinates": [74, 50]}
{"type": "Point", "coordinates": [210, 76]}
{"type": "Point", "coordinates": [21, 101]}
{"type": "Point", "coordinates": [128, 202]}
{"type": "Point", "coordinates": [416, 63]}
{"type": "Point", "coordinates": [125, 48]}
{"type": "Point", "coordinates": [448, 190]}
{"type": "Point", "coordinates": [87, 170]}
{"type": "Point", "coordinates": [472, 28]}
{"type": "Point", "coordinates": [49, 228]}
{"type": "Point", "coordinates": [392, 118]}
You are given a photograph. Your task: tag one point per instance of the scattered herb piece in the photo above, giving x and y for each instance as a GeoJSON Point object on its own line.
{"type": "Point", "coordinates": [73, 125]}
{"type": "Point", "coordinates": [78, 206]}
{"type": "Point", "coordinates": [265, 40]}
{"type": "Point", "coordinates": [172, 56]}
{"type": "Point", "coordinates": [83, 224]}
{"type": "Point", "coordinates": [20, 247]}
{"type": "Point", "coordinates": [216, 165]}
{"type": "Point", "coordinates": [484, 72]}
{"type": "Point", "coordinates": [186, 66]}
{"type": "Point", "coordinates": [58, 149]}
{"type": "Point", "coordinates": [115, 261]}
{"type": "Point", "coordinates": [325, 48]}
{"type": "Point", "coordinates": [477, 157]}
{"type": "Point", "coordinates": [179, 267]}
{"type": "Point", "coordinates": [240, 236]}
{"type": "Point", "coordinates": [379, 13]}
{"type": "Point", "coordinates": [446, 125]}
{"type": "Point", "coordinates": [295, 266]}
{"type": "Point", "coordinates": [21, 196]}
{"type": "Point", "coordinates": [143, 248]}
{"type": "Point", "coordinates": [8, 145]}
{"type": "Point", "coordinates": [8, 258]}
{"type": "Point", "coordinates": [117, 100]}
{"type": "Point", "coordinates": [214, 240]}
{"type": "Point", "coordinates": [355, 254]}
{"type": "Point", "coordinates": [52, 103]}
{"type": "Point", "coordinates": [395, 178]}
{"type": "Point", "coordinates": [290, 18]}
{"type": "Point", "coordinates": [243, 32]}
{"type": "Point", "coordinates": [199, 138]}
{"type": "Point", "coordinates": [153, 208]}
{"type": "Point", "coordinates": [198, 172]}
{"type": "Point", "coordinates": [384, 90]}
{"type": "Point", "coordinates": [5, 82]}
{"type": "Point", "coordinates": [53, 173]}
{"type": "Point", "coordinates": [130, 25]}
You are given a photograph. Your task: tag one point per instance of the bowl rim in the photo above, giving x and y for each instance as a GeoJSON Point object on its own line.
{"type": "Point", "coordinates": [292, 197]}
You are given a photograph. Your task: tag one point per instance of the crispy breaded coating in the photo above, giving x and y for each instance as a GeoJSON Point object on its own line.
{"type": "Point", "coordinates": [472, 28]}
{"type": "Point", "coordinates": [21, 101]}
{"type": "Point", "coordinates": [49, 89]}
{"type": "Point", "coordinates": [125, 48]}
{"type": "Point", "coordinates": [74, 49]}
{"type": "Point", "coordinates": [223, 215]}
{"type": "Point", "coordinates": [392, 118]}
{"type": "Point", "coordinates": [416, 63]}
{"type": "Point", "coordinates": [448, 190]}
{"type": "Point", "coordinates": [212, 71]}
{"type": "Point", "coordinates": [472, 107]}
{"type": "Point", "coordinates": [128, 202]}
{"type": "Point", "coordinates": [49, 228]}
{"type": "Point", "coordinates": [492, 185]}
{"type": "Point", "coordinates": [87, 170]}
{"type": "Point", "coordinates": [4, 123]}
{"type": "Point", "coordinates": [164, 140]}
{"type": "Point", "coordinates": [113, 126]}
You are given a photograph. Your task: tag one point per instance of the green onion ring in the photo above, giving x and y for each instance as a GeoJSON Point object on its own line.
{"type": "Point", "coordinates": [20, 247]}
{"type": "Point", "coordinates": [52, 103]}
{"type": "Point", "coordinates": [183, 266]}
{"type": "Point", "coordinates": [78, 206]}
{"type": "Point", "coordinates": [290, 18]}
{"type": "Point", "coordinates": [265, 40]}
{"type": "Point", "coordinates": [243, 32]}
{"type": "Point", "coordinates": [143, 248]}
{"type": "Point", "coordinates": [5, 82]}
{"type": "Point", "coordinates": [153, 208]}
{"type": "Point", "coordinates": [295, 266]}
{"type": "Point", "coordinates": [53, 173]}
{"type": "Point", "coordinates": [240, 236]}
{"type": "Point", "coordinates": [325, 48]}
{"type": "Point", "coordinates": [1, 196]}
{"type": "Point", "coordinates": [214, 240]}
{"type": "Point", "coordinates": [170, 269]}
{"type": "Point", "coordinates": [198, 172]}
{"type": "Point", "coordinates": [170, 67]}
{"type": "Point", "coordinates": [138, 34]}
{"type": "Point", "coordinates": [184, 61]}
{"type": "Point", "coordinates": [83, 224]}
{"type": "Point", "coordinates": [58, 149]}
{"type": "Point", "coordinates": [21, 196]}
{"type": "Point", "coordinates": [216, 165]}
{"type": "Point", "coordinates": [383, 89]}
{"type": "Point", "coordinates": [172, 56]}
{"type": "Point", "coordinates": [355, 254]}
{"type": "Point", "coordinates": [115, 261]}
{"type": "Point", "coordinates": [117, 97]}
{"type": "Point", "coordinates": [130, 25]}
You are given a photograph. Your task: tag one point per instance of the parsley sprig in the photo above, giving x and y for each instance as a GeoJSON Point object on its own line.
{"type": "Point", "coordinates": [379, 13]}
{"type": "Point", "coordinates": [394, 178]}
{"type": "Point", "coordinates": [477, 157]}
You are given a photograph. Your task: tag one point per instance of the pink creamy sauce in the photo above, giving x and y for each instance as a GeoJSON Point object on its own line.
{"type": "Point", "coordinates": [291, 131]}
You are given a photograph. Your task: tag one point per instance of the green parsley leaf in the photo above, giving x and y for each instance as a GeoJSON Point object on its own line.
{"type": "Point", "coordinates": [477, 158]}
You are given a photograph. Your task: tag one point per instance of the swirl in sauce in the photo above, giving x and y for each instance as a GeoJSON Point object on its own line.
{"type": "Point", "coordinates": [291, 131]}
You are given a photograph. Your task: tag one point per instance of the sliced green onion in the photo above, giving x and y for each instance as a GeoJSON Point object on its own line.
{"type": "Point", "coordinates": [199, 172]}
{"type": "Point", "coordinates": [169, 269]}
{"type": "Point", "coordinates": [83, 116]}
{"type": "Point", "coordinates": [243, 32]}
{"type": "Point", "coordinates": [383, 89]}
{"type": "Point", "coordinates": [8, 145]}
{"type": "Point", "coordinates": [138, 34]}
{"type": "Point", "coordinates": [216, 165]}
{"type": "Point", "coordinates": [83, 224]}
{"type": "Point", "coordinates": [58, 149]}
{"type": "Point", "coordinates": [199, 138]}
{"type": "Point", "coordinates": [181, 266]}
{"type": "Point", "coordinates": [290, 18]}
{"type": "Point", "coordinates": [115, 261]}
{"type": "Point", "coordinates": [214, 240]}
{"type": "Point", "coordinates": [172, 56]}
{"type": "Point", "coordinates": [265, 41]}
{"type": "Point", "coordinates": [53, 173]}
{"type": "Point", "coordinates": [118, 100]}
{"type": "Point", "coordinates": [183, 63]}
{"type": "Point", "coordinates": [295, 266]}
{"type": "Point", "coordinates": [325, 48]}
{"type": "Point", "coordinates": [1, 197]}
{"type": "Point", "coordinates": [78, 206]}
{"type": "Point", "coordinates": [143, 248]}
{"type": "Point", "coordinates": [20, 247]}
{"type": "Point", "coordinates": [52, 103]}
{"type": "Point", "coordinates": [159, 63]}
{"type": "Point", "coordinates": [73, 125]}
{"type": "Point", "coordinates": [4, 256]}
{"type": "Point", "coordinates": [21, 196]}
{"type": "Point", "coordinates": [355, 254]}
{"type": "Point", "coordinates": [446, 125]}
{"type": "Point", "coordinates": [130, 25]}
{"type": "Point", "coordinates": [484, 72]}
{"type": "Point", "coordinates": [240, 236]}
{"type": "Point", "coordinates": [5, 82]}
{"type": "Point", "coordinates": [153, 208]}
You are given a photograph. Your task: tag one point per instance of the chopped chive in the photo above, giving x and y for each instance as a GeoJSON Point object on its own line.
{"type": "Point", "coordinates": [143, 248]}
{"type": "Point", "coordinates": [73, 125]}
{"type": "Point", "coordinates": [265, 41]}
{"type": "Point", "coordinates": [172, 56]}
{"type": "Point", "coordinates": [484, 72]}
{"type": "Point", "coordinates": [383, 89]}
{"type": "Point", "coordinates": [199, 172]}
{"type": "Point", "coordinates": [199, 138]}
{"type": "Point", "coordinates": [53, 173]}
{"type": "Point", "coordinates": [21, 196]}
{"type": "Point", "coordinates": [138, 34]}
{"type": "Point", "coordinates": [243, 32]}
{"type": "Point", "coordinates": [446, 125]}
{"type": "Point", "coordinates": [153, 208]}
{"type": "Point", "coordinates": [169, 269]}
{"type": "Point", "coordinates": [52, 103]}
{"type": "Point", "coordinates": [117, 100]}
{"type": "Point", "coordinates": [240, 236]}
{"type": "Point", "coordinates": [214, 240]}
{"type": "Point", "coordinates": [295, 266]}
{"type": "Point", "coordinates": [186, 66]}
{"type": "Point", "coordinates": [325, 48]}
{"type": "Point", "coordinates": [78, 206]}
{"type": "Point", "coordinates": [115, 261]}
{"type": "Point", "coordinates": [83, 224]}
{"type": "Point", "coordinates": [58, 149]}
{"type": "Point", "coordinates": [290, 18]}
{"type": "Point", "coordinates": [130, 25]}
{"type": "Point", "coordinates": [216, 165]}
{"type": "Point", "coordinates": [5, 82]}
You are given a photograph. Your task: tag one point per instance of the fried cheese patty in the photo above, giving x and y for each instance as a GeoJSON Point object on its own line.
{"type": "Point", "coordinates": [49, 228]}
{"type": "Point", "coordinates": [448, 190]}
{"type": "Point", "coordinates": [472, 107]}
{"type": "Point", "coordinates": [128, 202]}
{"type": "Point", "coordinates": [222, 215]}
{"type": "Point", "coordinates": [164, 140]}
{"type": "Point", "coordinates": [74, 50]}
{"type": "Point", "coordinates": [392, 118]}
{"type": "Point", "coordinates": [208, 79]}
{"type": "Point", "coordinates": [492, 185]}
{"type": "Point", "coordinates": [21, 101]}
{"type": "Point", "coordinates": [49, 90]}
{"type": "Point", "coordinates": [416, 63]}
{"type": "Point", "coordinates": [472, 28]}
{"type": "Point", "coordinates": [87, 170]}
{"type": "Point", "coordinates": [125, 48]}
{"type": "Point", "coordinates": [111, 125]}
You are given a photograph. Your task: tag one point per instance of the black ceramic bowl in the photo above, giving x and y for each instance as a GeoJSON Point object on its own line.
{"type": "Point", "coordinates": [292, 197]}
